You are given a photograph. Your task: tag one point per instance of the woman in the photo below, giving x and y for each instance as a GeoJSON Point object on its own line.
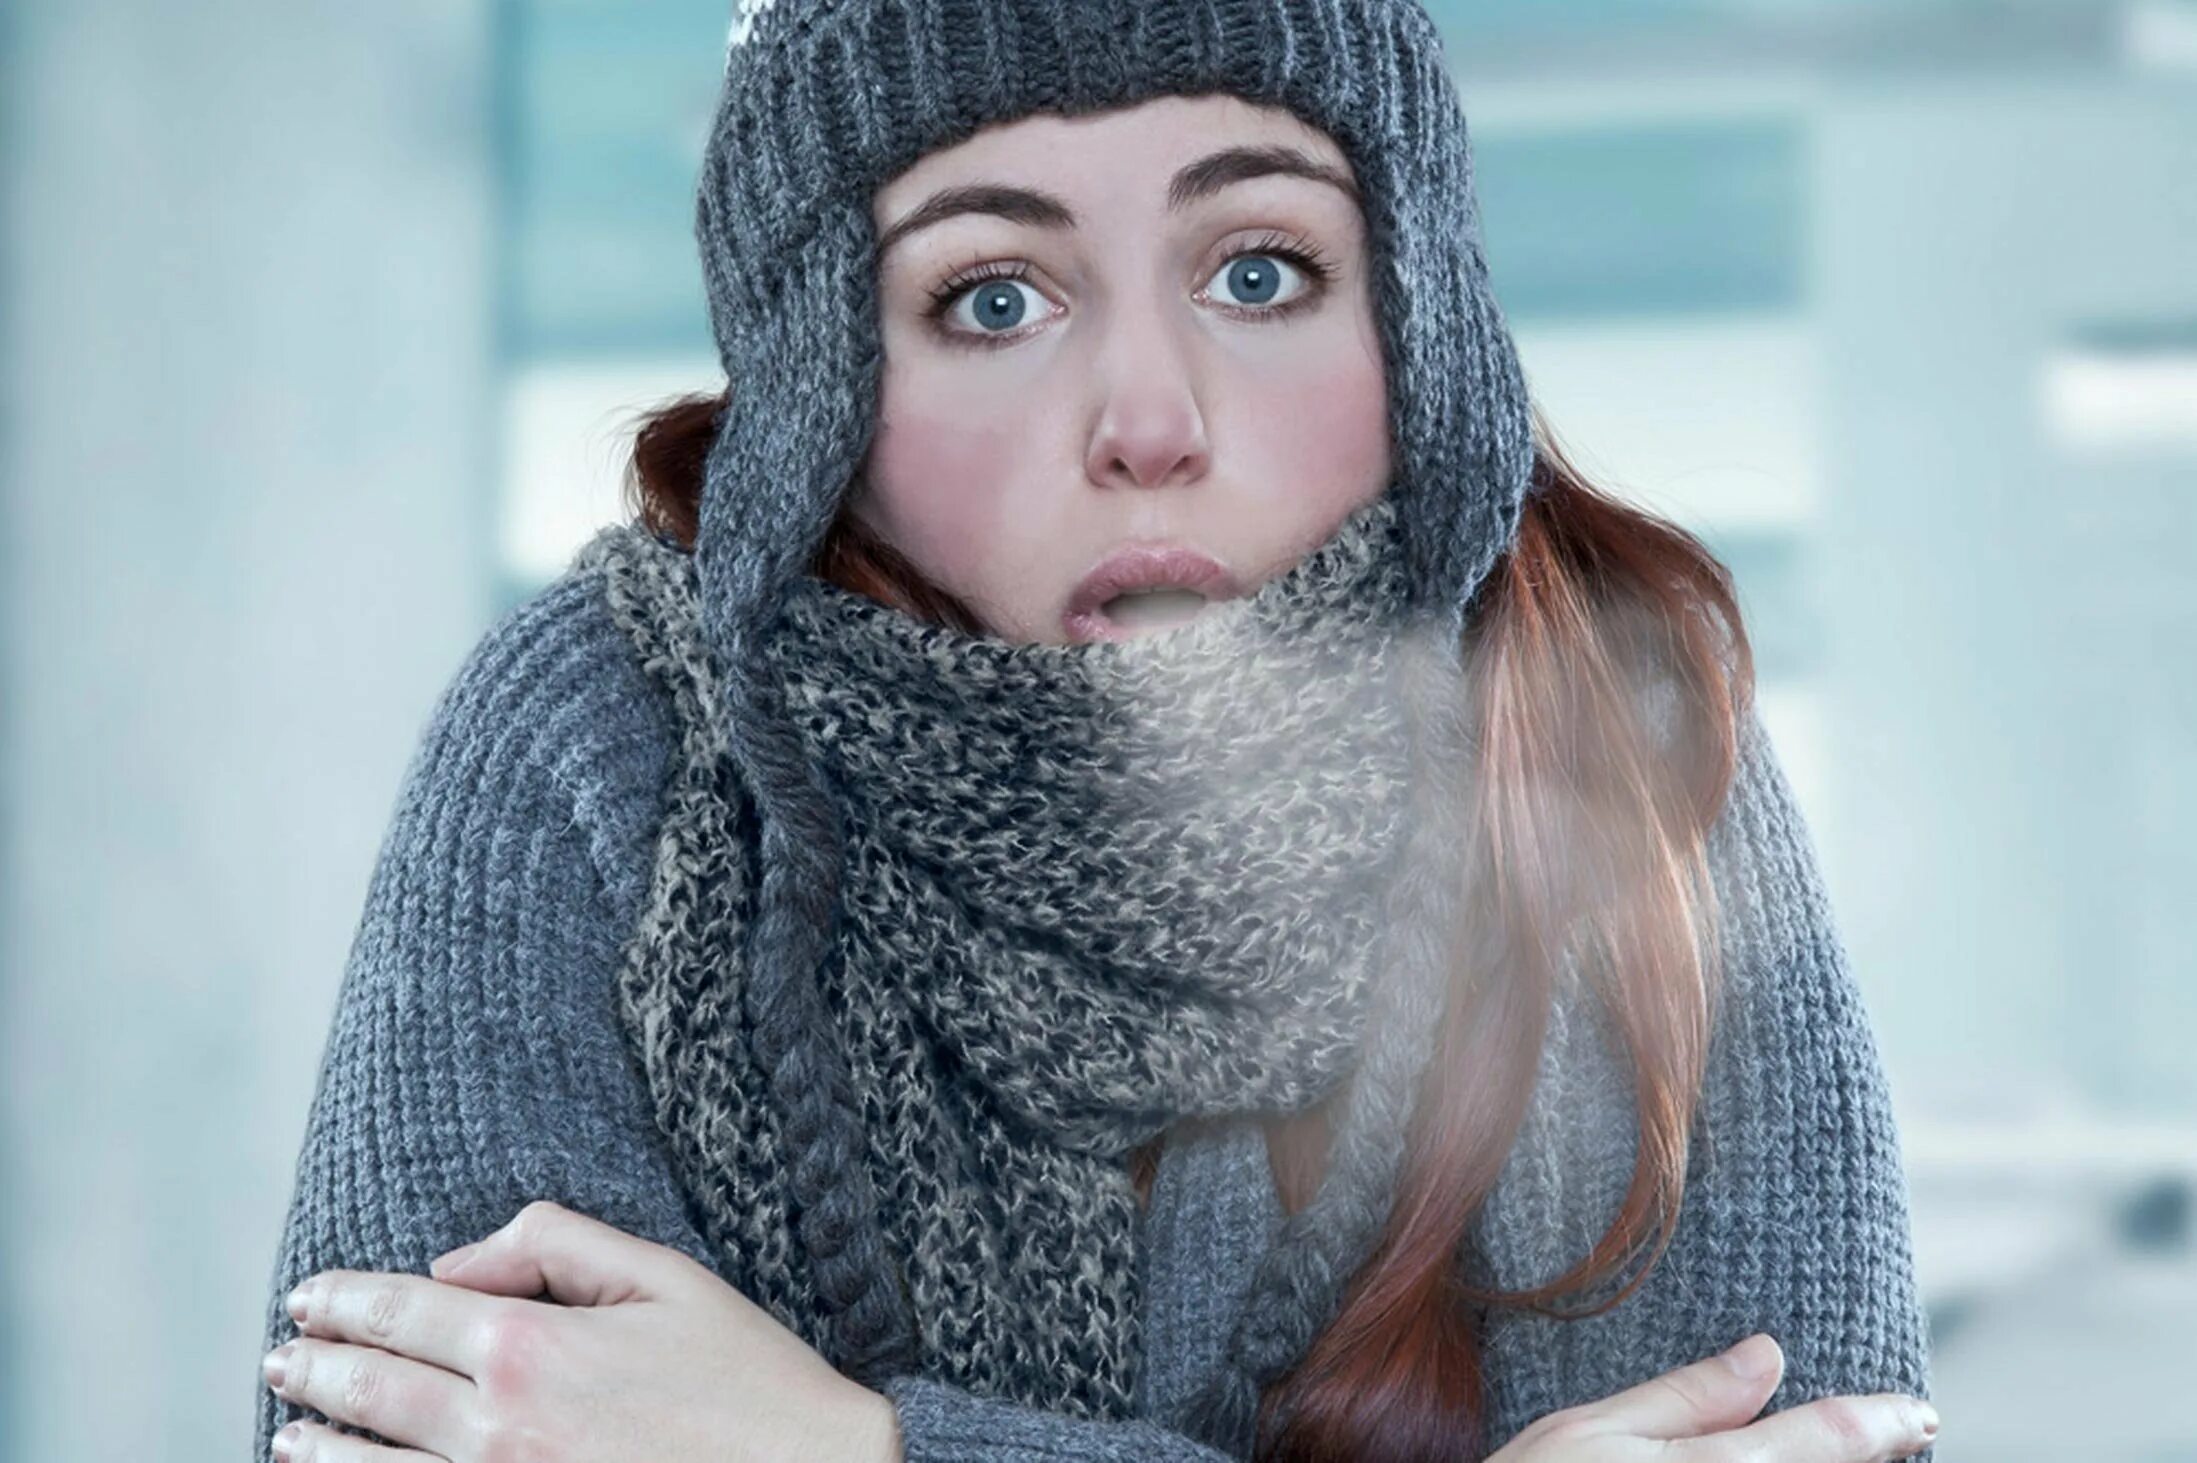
{"type": "Point", "coordinates": [1239, 1001]}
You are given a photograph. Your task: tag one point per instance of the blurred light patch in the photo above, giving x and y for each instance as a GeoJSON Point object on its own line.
{"type": "Point", "coordinates": [2132, 387]}
{"type": "Point", "coordinates": [567, 439]}
{"type": "Point", "coordinates": [1713, 421]}
{"type": "Point", "coordinates": [2161, 35]}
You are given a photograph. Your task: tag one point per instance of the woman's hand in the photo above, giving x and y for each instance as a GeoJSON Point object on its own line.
{"type": "Point", "coordinates": [1699, 1414]}
{"type": "Point", "coordinates": [645, 1356]}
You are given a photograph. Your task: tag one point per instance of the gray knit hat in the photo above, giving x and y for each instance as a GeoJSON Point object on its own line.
{"type": "Point", "coordinates": [824, 101]}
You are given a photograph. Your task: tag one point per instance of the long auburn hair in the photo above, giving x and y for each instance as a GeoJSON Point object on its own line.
{"type": "Point", "coordinates": [1610, 672]}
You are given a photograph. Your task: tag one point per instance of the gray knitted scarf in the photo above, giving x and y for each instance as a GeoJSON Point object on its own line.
{"type": "Point", "coordinates": [1088, 891]}
{"type": "Point", "coordinates": [823, 103]}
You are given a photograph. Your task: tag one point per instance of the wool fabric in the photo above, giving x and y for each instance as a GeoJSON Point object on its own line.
{"type": "Point", "coordinates": [1092, 890]}
{"type": "Point", "coordinates": [823, 102]}
{"type": "Point", "coordinates": [475, 1059]}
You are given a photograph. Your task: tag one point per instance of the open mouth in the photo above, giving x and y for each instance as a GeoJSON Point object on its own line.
{"type": "Point", "coordinates": [1142, 587]}
{"type": "Point", "coordinates": [1146, 609]}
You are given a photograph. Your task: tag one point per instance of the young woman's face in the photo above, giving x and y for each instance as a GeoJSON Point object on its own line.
{"type": "Point", "coordinates": [1139, 325]}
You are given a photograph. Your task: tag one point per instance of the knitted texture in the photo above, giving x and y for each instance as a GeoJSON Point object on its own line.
{"type": "Point", "coordinates": [823, 102]}
{"type": "Point", "coordinates": [1092, 890]}
{"type": "Point", "coordinates": [1795, 1215]}
{"type": "Point", "coordinates": [476, 1060]}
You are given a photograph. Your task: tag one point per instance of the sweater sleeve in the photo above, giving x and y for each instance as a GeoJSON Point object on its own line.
{"type": "Point", "coordinates": [1794, 1216]}
{"type": "Point", "coordinates": [474, 1061]}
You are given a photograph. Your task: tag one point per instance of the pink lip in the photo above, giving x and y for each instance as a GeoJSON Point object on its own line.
{"type": "Point", "coordinates": [1140, 566]}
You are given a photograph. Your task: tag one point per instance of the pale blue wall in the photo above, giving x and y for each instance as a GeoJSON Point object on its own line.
{"type": "Point", "coordinates": [246, 515]}
{"type": "Point", "coordinates": [2012, 670]}
{"type": "Point", "coordinates": [274, 273]}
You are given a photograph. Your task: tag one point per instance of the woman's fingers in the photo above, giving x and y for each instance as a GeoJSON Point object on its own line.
{"type": "Point", "coordinates": [406, 1401]}
{"type": "Point", "coordinates": [1702, 1412]}
{"type": "Point", "coordinates": [1711, 1395]}
{"type": "Point", "coordinates": [1855, 1429]}
{"type": "Point", "coordinates": [446, 1325]}
{"type": "Point", "coordinates": [309, 1442]}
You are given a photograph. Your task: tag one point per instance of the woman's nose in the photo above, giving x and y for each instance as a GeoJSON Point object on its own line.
{"type": "Point", "coordinates": [1148, 447]}
{"type": "Point", "coordinates": [1150, 430]}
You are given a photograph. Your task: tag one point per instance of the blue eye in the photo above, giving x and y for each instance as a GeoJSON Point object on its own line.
{"type": "Point", "coordinates": [988, 305]}
{"type": "Point", "coordinates": [991, 304]}
{"type": "Point", "coordinates": [997, 304]}
{"type": "Point", "coordinates": [1254, 278]}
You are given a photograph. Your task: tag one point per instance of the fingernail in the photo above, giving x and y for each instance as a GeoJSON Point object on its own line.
{"type": "Point", "coordinates": [287, 1439]}
{"type": "Point", "coordinates": [298, 1302]}
{"type": "Point", "coordinates": [1753, 1359]}
{"type": "Point", "coordinates": [1927, 1418]}
{"type": "Point", "coordinates": [273, 1365]}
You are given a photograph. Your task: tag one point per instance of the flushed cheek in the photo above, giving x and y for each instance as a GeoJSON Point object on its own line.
{"type": "Point", "coordinates": [1316, 429]}
{"type": "Point", "coordinates": [955, 485]}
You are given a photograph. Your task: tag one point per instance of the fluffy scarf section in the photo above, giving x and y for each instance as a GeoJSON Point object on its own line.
{"type": "Point", "coordinates": [1088, 891]}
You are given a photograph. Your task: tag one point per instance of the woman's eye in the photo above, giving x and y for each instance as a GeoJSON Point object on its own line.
{"type": "Point", "coordinates": [995, 305]}
{"type": "Point", "coordinates": [1255, 280]}
{"type": "Point", "coordinates": [1271, 281]}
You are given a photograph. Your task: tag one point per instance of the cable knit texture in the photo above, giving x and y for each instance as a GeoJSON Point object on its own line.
{"type": "Point", "coordinates": [568, 790]}
{"type": "Point", "coordinates": [1092, 890]}
{"type": "Point", "coordinates": [477, 1060]}
{"type": "Point", "coordinates": [823, 102]}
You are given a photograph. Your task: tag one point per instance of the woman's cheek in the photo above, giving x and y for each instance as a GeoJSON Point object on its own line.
{"type": "Point", "coordinates": [956, 485]}
{"type": "Point", "coordinates": [1320, 431]}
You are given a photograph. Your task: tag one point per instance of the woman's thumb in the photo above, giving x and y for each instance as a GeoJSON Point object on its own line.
{"type": "Point", "coordinates": [1712, 1395]}
{"type": "Point", "coordinates": [577, 1260]}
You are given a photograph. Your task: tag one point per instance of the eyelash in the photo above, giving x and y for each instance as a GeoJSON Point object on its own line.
{"type": "Point", "coordinates": [1292, 249]}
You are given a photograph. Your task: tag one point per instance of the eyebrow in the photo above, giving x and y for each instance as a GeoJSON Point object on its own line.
{"type": "Point", "coordinates": [1194, 181]}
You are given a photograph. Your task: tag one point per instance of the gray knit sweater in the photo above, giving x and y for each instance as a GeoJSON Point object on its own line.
{"type": "Point", "coordinates": [474, 1063]}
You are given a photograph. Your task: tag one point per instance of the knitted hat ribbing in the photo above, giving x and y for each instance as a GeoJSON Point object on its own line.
{"type": "Point", "coordinates": [824, 101]}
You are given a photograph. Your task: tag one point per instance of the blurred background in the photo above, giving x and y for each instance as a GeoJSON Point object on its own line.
{"type": "Point", "coordinates": [325, 327]}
